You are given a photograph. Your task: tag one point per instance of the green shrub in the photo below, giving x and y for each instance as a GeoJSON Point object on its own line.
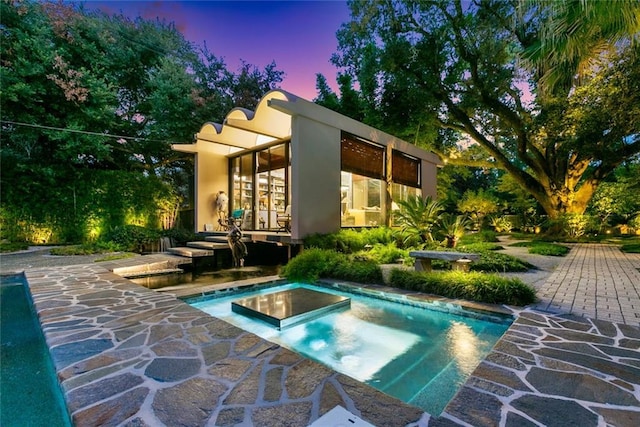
{"type": "Point", "coordinates": [550, 249]}
{"type": "Point", "coordinates": [498, 262]}
{"type": "Point", "coordinates": [631, 248]}
{"type": "Point", "coordinates": [480, 236]}
{"type": "Point", "coordinates": [349, 240]}
{"type": "Point", "coordinates": [480, 287]}
{"type": "Point", "coordinates": [480, 247]}
{"type": "Point", "coordinates": [132, 238]}
{"type": "Point", "coordinates": [374, 235]}
{"type": "Point", "coordinates": [180, 236]}
{"type": "Point", "coordinates": [501, 224]}
{"type": "Point", "coordinates": [385, 254]}
{"type": "Point", "coordinates": [13, 246]}
{"type": "Point", "coordinates": [313, 264]}
{"type": "Point", "coordinates": [87, 249]}
{"type": "Point", "coordinates": [321, 241]}
{"type": "Point", "coordinates": [574, 225]}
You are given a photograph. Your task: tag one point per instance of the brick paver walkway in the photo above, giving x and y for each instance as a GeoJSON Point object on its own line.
{"type": "Point", "coordinates": [596, 281]}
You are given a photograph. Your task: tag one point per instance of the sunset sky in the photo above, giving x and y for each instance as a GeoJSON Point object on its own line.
{"type": "Point", "coordinates": [299, 36]}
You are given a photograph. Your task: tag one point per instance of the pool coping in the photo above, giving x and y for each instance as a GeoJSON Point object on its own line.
{"type": "Point", "coordinates": [127, 355]}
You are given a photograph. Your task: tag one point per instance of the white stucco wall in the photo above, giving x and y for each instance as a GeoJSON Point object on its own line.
{"type": "Point", "coordinates": [315, 134]}
{"type": "Point", "coordinates": [315, 178]}
{"type": "Point", "coordinates": [212, 175]}
{"type": "Point", "coordinates": [429, 179]}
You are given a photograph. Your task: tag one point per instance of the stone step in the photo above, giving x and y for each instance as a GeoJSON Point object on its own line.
{"type": "Point", "coordinates": [191, 252]}
{"type": "Point", "coordinates": [137, 274]}
{"type": "Point", "coordinates": [208, 245]}
{"type": "Point", "coordinates": [127, 271]}
{"type": "Point", "coordinates": [223, 239]}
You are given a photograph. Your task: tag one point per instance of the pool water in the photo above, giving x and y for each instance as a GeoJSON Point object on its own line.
{"type": "Point", "coordinates": [417, 355]}
{"type": "Point", "coordinates": [29, 392]}
{"type": "Point", "coordinates": [195, 279]}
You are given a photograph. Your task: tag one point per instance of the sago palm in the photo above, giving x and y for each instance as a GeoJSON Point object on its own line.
{"type": "Point", "coordinates": [453, 228]}
{"type": "Point", "coordinates": [417, 218]}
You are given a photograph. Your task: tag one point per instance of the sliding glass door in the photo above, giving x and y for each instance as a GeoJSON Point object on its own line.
{"type": "Point", "coordinates": [260, 186]}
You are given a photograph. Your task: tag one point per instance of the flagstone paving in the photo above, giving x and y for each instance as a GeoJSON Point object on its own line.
{"type": "Point", "coordinates": [126, 355]}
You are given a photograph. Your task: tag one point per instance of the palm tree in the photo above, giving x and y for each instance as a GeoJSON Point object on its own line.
{"type": "Point", "coordinates": [574, 35]}
{"type": "Point", "coordinates": [417, 218]}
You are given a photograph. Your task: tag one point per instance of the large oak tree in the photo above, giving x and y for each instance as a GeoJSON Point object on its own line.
{"type": "Point", "coordinates": [551, 93]}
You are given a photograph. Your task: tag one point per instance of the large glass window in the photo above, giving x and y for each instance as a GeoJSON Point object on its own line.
{"type": "Point", "coordinates": [362, 183]}
{"type": "Point", "coordinates": [401, 192]}
{"type": "Point", "coordinates": [260, 186]}
{"type": "Point", "coordinates": [362, 202]}
{"type": "Point", "coordinates": [242, 172]}
{"type": "Point", "coordinates": [272, 188]}
{"type": "Point", "coordinates": [405, 171]}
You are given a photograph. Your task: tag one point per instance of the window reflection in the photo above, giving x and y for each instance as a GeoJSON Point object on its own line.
{"type": "Point", "coordinates": [362, 200]}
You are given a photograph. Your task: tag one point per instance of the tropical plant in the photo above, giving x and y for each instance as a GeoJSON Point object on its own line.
{"type": "Point", "coordinates": [417, 219]}
{"type": "Point", "coordinates": [477, 204]}
{"type": "Point", "coordinates": [573, 37]}
{"type": "Point", "coordinates": [453, 228]}
{"type": "Point", "coordinates": [616, 200]}
{"type": "Point", "coordinates": [575, 225]}
{"type": "Point", "coordinates": [501, 224]}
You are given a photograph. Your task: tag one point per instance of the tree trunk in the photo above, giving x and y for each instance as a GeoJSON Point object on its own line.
{"type": "Point", "coordinates": [561, 200]}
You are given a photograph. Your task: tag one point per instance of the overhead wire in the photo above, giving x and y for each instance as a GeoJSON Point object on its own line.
{"type": "Point", "coordinates": [106, 135]}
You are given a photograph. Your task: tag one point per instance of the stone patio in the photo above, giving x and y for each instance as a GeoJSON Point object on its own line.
{"type": "Point", "coordinates": [130, 356]}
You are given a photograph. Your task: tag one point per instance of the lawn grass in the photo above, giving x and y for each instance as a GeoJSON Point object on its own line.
{"type": "Point", "coordinates": [111, 253]}
{"type": "Point", "coordinates": [543, 248]}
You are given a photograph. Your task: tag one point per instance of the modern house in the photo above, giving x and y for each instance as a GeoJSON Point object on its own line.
{"type": "Point", "coordinates": [324, 169]}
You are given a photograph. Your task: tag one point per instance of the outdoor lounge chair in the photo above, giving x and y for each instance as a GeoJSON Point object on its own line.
{"type": "Point", "coordinates": [284, 220]}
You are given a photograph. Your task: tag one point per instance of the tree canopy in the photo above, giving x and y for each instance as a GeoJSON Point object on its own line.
{"type": "Point", "coordinates": [90, 100]}
{"type": "Point", "coordinates": [550, 93]}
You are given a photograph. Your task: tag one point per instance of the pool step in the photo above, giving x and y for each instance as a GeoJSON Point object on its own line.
{"type": "Point", "coordinates": [407, 381]}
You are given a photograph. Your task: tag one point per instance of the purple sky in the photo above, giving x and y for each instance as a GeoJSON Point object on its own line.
{"type": "Point", "coordinates": [298, 35]}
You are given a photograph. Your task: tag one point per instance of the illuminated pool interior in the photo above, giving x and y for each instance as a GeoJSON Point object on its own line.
{"type": "Point", "coordinates": [30, 394]}
{"type": "Point", "coordinates": [417, 355]}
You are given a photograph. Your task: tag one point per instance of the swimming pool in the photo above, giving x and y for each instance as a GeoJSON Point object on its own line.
{"type": "Point", "coordinates": [417, 355]}
{"type": "Point", "coordinates": [30, 394]}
